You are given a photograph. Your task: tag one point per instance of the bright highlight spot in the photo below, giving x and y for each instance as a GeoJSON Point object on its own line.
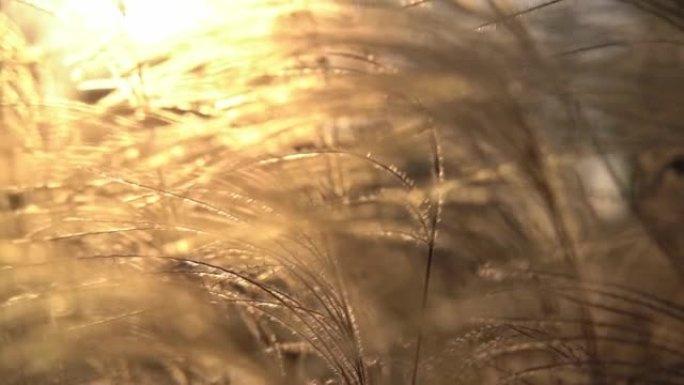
{"type": "Point", "coordinates": [145, 22]}
{"type": "Point", "coordinates": [149, 21]}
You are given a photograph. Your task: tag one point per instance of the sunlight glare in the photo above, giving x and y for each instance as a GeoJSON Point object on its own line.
{"type": "Point", "coordinates": [145, 22]}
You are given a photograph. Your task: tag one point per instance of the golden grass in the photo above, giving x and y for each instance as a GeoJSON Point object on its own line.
{"type": "Point", "coordinates": [340, 192]}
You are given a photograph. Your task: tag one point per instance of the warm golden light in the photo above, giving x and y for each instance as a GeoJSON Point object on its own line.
{"type": "Point", "coordinates": [341, 192]}
{"type": "Point", "coordinates": [144, 21]}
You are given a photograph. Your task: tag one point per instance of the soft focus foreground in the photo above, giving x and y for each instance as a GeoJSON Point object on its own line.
{"type": "Point", "coordinates": [341, 192]}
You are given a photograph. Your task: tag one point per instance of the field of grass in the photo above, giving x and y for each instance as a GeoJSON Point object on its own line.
{"type": "Point", "coordinates": [341, 192]}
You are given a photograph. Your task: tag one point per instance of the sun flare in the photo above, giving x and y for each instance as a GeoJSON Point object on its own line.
{"type": "Point", "coordinates": [341, 192]}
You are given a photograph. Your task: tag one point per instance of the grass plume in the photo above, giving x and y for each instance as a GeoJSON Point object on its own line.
{"type": "Point", "coordinates": [341, 192]}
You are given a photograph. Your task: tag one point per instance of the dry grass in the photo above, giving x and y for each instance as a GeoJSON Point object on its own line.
{"type": "Point", "coordinates": [344, 192]}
